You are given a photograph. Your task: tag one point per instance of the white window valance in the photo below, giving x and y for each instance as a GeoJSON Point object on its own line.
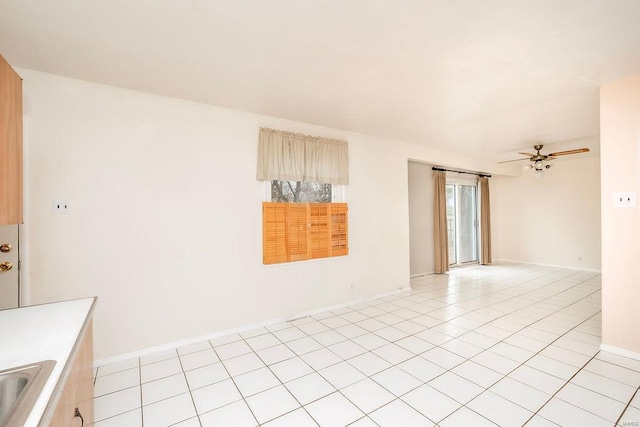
{"type": "Point", "coordinates": [288, 156]}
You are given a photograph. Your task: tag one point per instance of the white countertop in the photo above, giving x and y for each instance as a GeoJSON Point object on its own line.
{"type": "Point", "coordinates": [42, 332]}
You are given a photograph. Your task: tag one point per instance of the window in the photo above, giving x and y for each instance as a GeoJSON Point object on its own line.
{"type": "Point", "coordinates": [303, 175]}
{"type": "Point", "coordinates": [302, 223]}
{"type": "Point", "coordinates": [300, 191]}
{"type": "Point", "coordinates": [302, 231]}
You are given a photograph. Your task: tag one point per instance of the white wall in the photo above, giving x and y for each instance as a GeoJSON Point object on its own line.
{"type": "Point", "coordinates": [165, 223]}
{"type": "Point", "coordinates": [421, 218]}
{"type": "Point", "coordinates": [554, 220]}
{"type": "Point", "coordinates": [620, 151]}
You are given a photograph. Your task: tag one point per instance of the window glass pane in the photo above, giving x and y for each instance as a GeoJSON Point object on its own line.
{"type": "Point", "coordinates": [468, 234]}
{"type": "Point", "coordinates": [302, 192]}
{"type": "Point", "coordinates": [451, 222]}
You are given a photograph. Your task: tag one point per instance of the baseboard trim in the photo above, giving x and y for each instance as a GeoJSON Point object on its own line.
{"type": "Point", "coordinates": [413, 276]}
{"type": "Point", "coordinates": [591, 270]}
{"type": "Point", "coordinates": [182, 343]}
{"type": "Point", "coordinates": [620, 351]}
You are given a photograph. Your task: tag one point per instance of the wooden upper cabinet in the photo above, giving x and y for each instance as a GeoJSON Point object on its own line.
{"type": "Point", "coordinates": [10, 145]}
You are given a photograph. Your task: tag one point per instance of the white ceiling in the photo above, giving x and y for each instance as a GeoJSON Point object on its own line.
{"type": "Point", "coordinates": [488, 78]}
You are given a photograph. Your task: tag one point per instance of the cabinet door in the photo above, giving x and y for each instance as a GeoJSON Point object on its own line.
{"type": "Point", "coordinates": [9, 271]}
{"type": "Point", "coordinates": [10, 145]}
{"type": "Point", "coordinates": [78, 390]}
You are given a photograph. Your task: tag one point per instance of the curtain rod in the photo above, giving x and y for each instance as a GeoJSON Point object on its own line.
{"type": "Point", "coordinates": [481, 175]}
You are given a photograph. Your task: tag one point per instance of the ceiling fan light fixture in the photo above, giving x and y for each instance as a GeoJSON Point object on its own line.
{"type": "Point", "coordinates": [538, 165]}
{"type": "Point", "coordinates": [538, 174]}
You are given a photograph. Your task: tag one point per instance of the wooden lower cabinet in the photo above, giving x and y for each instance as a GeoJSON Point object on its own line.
{"type": "Point", "coordinates": [78, 390]}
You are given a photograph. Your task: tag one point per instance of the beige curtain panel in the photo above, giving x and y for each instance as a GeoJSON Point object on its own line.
{"type": "Point", "coordinates": [485, 222]}
{"type": "Point", "coordinates": [440, 234]}
{"type": "Point", "coordinates": [288, 156]}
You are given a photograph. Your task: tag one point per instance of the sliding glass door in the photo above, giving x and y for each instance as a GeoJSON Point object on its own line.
{"type": "Point", "coordinates": [462, 221]}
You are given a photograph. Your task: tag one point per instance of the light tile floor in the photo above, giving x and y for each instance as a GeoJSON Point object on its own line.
{"type": "Point", "coordinates": [505, 345]}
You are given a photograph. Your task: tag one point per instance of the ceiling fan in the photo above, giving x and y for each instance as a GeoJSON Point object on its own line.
{"type": "Point", "coordinates": [538, 159]}
{"type": "Point", "coordinates": [542, 157]}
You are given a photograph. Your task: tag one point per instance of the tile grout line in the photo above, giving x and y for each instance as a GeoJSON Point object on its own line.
{"type": "Point", "coordinates": [243, 339]}
{"type": "Point", "coordinates": [627, 406]}
{"type": "Point", "coordinates": [233, 381]}
{"type": "Point", "coordinates": [487, 349]}
{"type": "Point", "coordinates": [516, 332]}
{"type": "Point", "coordinates": [274, 374]}
{"type": "Point", "coordinates": [193, 402]}
{"type": "Point", "coordinates": [365, 415]}
{"type": "Point", "coordinates": [566, 382]}
{"type": "Point", "coordinates": [140, 380]}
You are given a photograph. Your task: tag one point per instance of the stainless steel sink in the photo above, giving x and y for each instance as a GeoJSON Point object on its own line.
{"type": "Point", "coordinates": [20, 388]}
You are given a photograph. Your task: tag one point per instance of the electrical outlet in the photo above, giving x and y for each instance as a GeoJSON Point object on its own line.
{"type": "Point", "coordinates": [625, 199]}
{"type": "Point", "coordinates": [61, 207]}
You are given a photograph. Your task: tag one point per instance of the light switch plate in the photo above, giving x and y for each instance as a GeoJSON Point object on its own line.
{"type": "Point", "coordinates": [625, 199]}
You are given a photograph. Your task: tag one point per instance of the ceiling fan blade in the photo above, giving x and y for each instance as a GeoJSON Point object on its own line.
{"type": "Point", "coordinates": [527, 154]}
{"type": "Point", "coordinates": [509, 161]}
{"type": "Point", "coordinates": [564, 153]}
